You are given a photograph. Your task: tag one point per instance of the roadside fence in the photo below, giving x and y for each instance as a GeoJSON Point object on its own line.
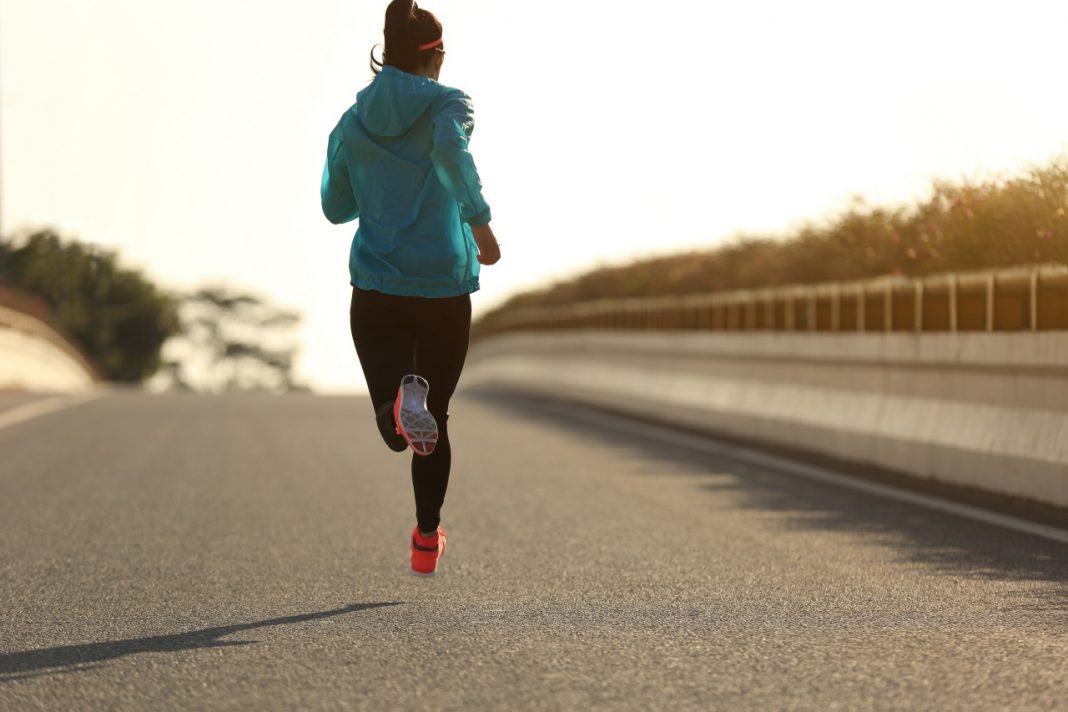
{"type": "Point", "coordinates": [1032, 298]}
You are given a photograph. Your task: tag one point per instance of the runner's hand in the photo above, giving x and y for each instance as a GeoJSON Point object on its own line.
{"type": "Point", "coordinates": [489, 251]}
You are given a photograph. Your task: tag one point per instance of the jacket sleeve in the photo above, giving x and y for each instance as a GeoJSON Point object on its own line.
{"type": "Point", "coordinates": [454, 121]}
{"type": "Point", "coordinates": [335, 191]}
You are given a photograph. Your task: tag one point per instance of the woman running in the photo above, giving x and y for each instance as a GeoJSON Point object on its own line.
{"type": "Point", "coordinates": [398, 161]}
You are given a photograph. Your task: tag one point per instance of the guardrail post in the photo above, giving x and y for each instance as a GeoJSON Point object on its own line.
{"type": "Point", "coordinates": [1034, 300]}
{"type": "Point", "coordinates": [990, 302]}
{"type": "Point", "coordinates": [862, 310]}
{"type": "Point", "coordinates": [953, 304]}
{"type": "Point", "coordinates": [836, 308]}
{"type": "Point", "coordinates": [811, 311]}
{"type": "Point", "coordinates": [888, 308]}
{"type": "Point", "coordinates": [918, 307]}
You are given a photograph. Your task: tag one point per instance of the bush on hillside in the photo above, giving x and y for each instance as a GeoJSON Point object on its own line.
{"type": "Point", "coordinates": [117, 317]}
{"type": "Point", "coordinates": [961, 227]}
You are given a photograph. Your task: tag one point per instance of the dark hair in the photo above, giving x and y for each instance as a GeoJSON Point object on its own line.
{"type": "Point", "coordinates": [408, 27]}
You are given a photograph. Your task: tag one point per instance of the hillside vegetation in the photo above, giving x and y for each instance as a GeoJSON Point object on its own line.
{"type": "Point", "coordinates": [116, 316]}
{"type": "Point", "coordinates": [213, 339]}
{"type": "Point", "coordinates": [962, 226]}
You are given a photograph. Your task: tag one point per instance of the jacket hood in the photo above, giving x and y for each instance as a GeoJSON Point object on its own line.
{"type": "Point", "coordinates": [394, 101]}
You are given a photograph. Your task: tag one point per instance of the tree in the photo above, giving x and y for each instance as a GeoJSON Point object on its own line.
{"type": "Point", "coordinates": [118, 318]}
{"type": "Point", "coordinates": [232, 341]}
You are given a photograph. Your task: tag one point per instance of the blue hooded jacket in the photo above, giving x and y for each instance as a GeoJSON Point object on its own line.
{"type": "Point", "coordinates": [398, 161]}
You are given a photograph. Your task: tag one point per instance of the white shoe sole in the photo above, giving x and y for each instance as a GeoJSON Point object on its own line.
{"type": "Point", "coordinates": [418, 574]}
{"type": "Point", "coordinates": [416, 424]}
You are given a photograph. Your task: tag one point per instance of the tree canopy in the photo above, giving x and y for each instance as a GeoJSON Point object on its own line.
{"type": "Point", "coordinates": [232, 341]}
{"type": "Point", "coordinates": [117, 317]}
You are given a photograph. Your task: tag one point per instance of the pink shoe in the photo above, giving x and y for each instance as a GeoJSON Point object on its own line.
{"type": "Point", "coordinates": [426, 552]}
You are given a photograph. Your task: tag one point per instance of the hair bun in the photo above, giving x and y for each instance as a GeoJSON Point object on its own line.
{"type": "Point", "coordinates": [400, 12]}
{"type": "Point", "coordinates": [408, 28]}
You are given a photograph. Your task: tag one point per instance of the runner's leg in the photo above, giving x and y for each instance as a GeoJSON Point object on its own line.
{"type": "Point", "coordinates": [443, 329]}
{"type": "Point", "coordinates": [385, 342]}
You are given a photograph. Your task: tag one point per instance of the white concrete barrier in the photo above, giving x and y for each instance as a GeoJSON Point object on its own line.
{"type": "Point", "coordinates": [984, 410]}
{"type": "Point", "coordinates": [33, 357]}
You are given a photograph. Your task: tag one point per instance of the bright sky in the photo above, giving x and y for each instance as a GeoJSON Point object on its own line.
{"type": "Point", "coordinates": [190, 136]}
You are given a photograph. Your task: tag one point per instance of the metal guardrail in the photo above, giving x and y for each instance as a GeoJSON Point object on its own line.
{"type": "Point", "coordinates": [1033, 298]}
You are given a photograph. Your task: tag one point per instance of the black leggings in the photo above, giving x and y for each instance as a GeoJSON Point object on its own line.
{"type": "Point", "coordinates": [395, 336]}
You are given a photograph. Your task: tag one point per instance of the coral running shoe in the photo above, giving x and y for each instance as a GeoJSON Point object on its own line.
{"type": "Point", "coordinates": [426, 552]}
{"type": "Point", "coordinates": [414, 422]}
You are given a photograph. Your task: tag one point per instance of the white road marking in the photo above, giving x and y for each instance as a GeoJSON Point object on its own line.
{"type": "Point", "coordinates": [820, 474]}
{"type": "Point", "coordinates": [36, 409]}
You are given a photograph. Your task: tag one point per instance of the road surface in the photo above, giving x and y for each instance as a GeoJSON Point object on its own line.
{"type": "Point", "coordinates": [242, 552]}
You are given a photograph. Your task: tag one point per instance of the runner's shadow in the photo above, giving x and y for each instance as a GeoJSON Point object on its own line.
{"type": "Point", "coordinates": [20, 665]}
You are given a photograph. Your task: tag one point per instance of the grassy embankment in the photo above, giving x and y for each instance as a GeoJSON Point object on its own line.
{"type": "Point", "coordinates": [961, 227]}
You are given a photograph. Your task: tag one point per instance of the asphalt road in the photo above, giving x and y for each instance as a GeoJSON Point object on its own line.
{"type": "Point", "coordinates": [180, 553]}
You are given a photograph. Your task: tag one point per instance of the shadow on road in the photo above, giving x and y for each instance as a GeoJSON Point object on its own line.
{"type": "Point", "coordinates": [950, 545]}
{"type": "Point", "coordinates": [29, 663]}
